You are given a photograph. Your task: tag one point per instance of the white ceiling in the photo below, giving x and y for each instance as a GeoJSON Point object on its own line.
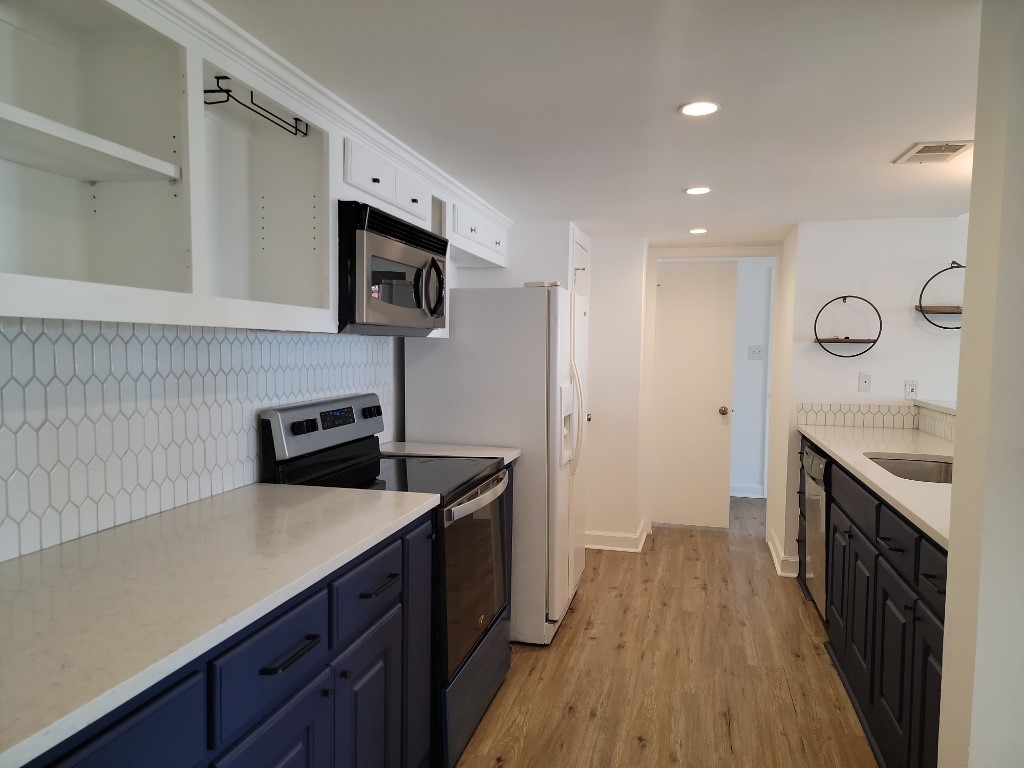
{"type": "Point", "coordinates": [566, 108]}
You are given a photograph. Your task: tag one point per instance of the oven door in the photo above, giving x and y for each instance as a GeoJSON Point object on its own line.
{"type": "Point", "coordinates": [474, 564]}
{"type": "Point", "coordinates": [398, 284]}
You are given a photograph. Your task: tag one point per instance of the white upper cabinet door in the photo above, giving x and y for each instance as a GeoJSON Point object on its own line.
{"type": "Point", "coordinates": [497, 238]}
{"type": "Point", "coordinates": [368, 170]}
{"type": "Point", "coordinates": [413, 195]}
{"type": "Point", "coordinates": [470, 224]}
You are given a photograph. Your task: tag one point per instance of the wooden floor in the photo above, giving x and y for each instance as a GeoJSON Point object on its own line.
{"type": "Point", "coordinates": [691, 653]}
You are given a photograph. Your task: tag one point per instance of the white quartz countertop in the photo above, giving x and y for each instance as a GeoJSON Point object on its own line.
{"type": "Point", "coordinates": [943, 406]}
{"type": "Point", "coordinates": [440, 449]}
{"type": "Point", "coordinates": [87, 625]}
{"type": "Point", "coordinates": [926, 505]}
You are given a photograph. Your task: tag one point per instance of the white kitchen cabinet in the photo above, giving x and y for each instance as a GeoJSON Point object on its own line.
{"type": "Point", "coordinates": [92, 138]}
{"type": "Point", "coordinates": [413, 195]}
{"type": "Point", "coordinates": [125, 196]}
{"type": "Point", "coordinates": [477, 241]}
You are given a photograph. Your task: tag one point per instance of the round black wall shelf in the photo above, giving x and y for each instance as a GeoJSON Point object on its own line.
{"type": "Point", "coordinates": [825, 343]}
{"type": "Point", "coordinates": [929, 310]}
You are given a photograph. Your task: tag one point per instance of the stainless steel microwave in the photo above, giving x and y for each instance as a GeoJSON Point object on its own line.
{"type": "Point", "coordinates": [392, 274]}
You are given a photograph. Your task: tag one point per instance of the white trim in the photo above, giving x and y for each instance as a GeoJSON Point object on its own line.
{"type": "Point", "coordinates": [785, 565]}
{"type": "Point", "coordinates": [747, 491]}
{"type": "Point", "coordinates": [618, 542]}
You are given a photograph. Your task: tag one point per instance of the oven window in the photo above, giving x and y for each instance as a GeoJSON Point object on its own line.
{"type": "Point", "coordinates": [394, 283]}
{"type": "Point", "coordinates": [474, 578]}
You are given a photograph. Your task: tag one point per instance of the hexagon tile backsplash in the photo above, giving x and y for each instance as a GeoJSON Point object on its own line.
{"type": "Point", "coordinates": [103, 423]}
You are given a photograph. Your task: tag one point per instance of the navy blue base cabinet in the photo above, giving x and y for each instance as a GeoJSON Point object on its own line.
{"type": "Point", "coordinates": [885, 596]}
{"type": "Point", "coordinates": [340, 675]}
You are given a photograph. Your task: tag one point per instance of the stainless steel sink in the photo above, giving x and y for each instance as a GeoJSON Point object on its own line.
{"type": "Point", "coordinates": [922, 469]}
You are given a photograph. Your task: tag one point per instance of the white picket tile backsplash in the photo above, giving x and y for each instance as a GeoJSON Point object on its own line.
{"type": "Point", "coordinates": [103, 423]}
{"type": "Point", "coordinates": [857, 415]}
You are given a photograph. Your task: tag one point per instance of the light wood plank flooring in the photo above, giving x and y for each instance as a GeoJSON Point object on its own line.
{"type": "Point", "coordinates": [691, 653]}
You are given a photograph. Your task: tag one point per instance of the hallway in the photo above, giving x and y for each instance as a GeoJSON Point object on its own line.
{"type": "Point", "coordinates": [692, 653]}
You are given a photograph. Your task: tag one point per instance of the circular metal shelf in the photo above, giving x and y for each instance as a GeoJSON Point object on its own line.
{"type": "Point", "coordinates": [870, 343]}
{"type": "Point", "coordinates": [927, 311]}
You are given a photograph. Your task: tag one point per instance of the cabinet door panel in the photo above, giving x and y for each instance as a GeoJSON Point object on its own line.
{"type": "Point", "coordinates": [368, 706]}
{"type": "Point", "coordinates": [859, 618]}
{"type": "Point", "coordinates": [368, 170]}
{"type": "Point", "coordinates": [894, 607]}
{"type": "Point", "coordinates": [418, 612]}
{"type": "Point", "coordinates": [927, 687]}
{"type": "Point", "coordinates": [298, 735]}
{"type": "Point", "coordinates": [838, 568]}
{"type": "Point", "coordinates": [413, 195]}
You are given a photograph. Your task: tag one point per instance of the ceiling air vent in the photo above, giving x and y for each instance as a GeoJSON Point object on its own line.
{"type": "Point", "coordinates": [933, 152]}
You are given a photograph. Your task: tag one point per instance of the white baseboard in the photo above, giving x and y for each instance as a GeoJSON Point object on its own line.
{"type": "Point", "coordinates": [618, 542]}
{"type": "Point", "coordinates": [747, 491]}
{"type": "Point", "coordinates": [785, 565]}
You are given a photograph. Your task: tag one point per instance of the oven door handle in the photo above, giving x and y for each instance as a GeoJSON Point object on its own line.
{"type": "Point", "coordinates": [475, 505]}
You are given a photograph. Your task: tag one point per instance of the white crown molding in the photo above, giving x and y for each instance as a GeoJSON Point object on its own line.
{"type": "Point", "coordinates": [218, 32]}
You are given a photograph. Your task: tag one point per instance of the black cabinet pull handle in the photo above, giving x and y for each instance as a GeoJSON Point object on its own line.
{"type": "Point", "coordinates": [375, 180]}
{"type": "Point", "coordinates": [345, 674]}
{"type": "Point", "coordinates": [932, 580]}
{"type": "Point", "coordinates": [391, 579]}
{"type": "Point", "coordinates": [883, 541]}
{"type": "Point", "coordinates": [327, 693]}
{"type": "Point", "coordinates": [473, 230]}
{"type": "Point", "coordinates": [311, 642]}
{"type": "Point", "coordinates": [415, 200]}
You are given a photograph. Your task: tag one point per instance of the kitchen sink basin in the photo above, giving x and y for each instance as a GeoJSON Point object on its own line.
{"type": "Point", "coordinates": [922, 469]}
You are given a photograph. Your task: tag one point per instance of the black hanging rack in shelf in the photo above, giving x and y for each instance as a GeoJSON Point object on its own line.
{"type": "Point", "coordinates": [928, 310]}
{"type": "Point", "coordinates": [828, 340]}
{"type": "Point", "coordinates": [295, 127]}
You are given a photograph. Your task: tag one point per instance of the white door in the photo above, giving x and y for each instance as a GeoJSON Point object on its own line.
{"type": "Point", "coordinates": [695, 331]}
{"type": "Point", "coordinates": [577, 470]}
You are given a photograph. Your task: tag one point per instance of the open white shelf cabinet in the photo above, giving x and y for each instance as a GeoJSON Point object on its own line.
{"type": "Point", "coordinates": [128, 194]}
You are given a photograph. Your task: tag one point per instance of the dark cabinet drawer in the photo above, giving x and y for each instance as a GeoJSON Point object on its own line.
{"type": "Point", "coordinates": [364, 594]}
{"type": "Point", "coordinates": [168, 732]}
{"type": "Point", "coordinates": [298, 735]}
{"type": "Point", "coordinates": [897, 542]}
{"type": "Point", "coordinates": [261, 670]}
{"type": "Point", "coordinates": [858, 504]}
{"type": "Point", "coordinates": [931, 577]}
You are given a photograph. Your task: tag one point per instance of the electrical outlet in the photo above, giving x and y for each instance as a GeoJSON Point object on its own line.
{"type": "Point", "coordinates": [863, 382]}
{"type": "Point", "coordinates": [910, 389]}
{"type": "Point", "coordinates": [755, 352]}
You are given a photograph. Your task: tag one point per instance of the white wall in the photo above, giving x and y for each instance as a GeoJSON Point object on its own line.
{"type": "Point", "coordinates": [614, 514]}
{"type": "Point", "coordinates": [886, 261]}
{"type": "Point", "coordinates": [750, 377]}
{"type": "Point", "coordinates": [983, 667]}
{"type": "Point", "coordinates": [539, 251]}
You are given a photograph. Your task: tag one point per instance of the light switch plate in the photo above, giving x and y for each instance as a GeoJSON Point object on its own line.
{"type": "Point", "coordinates": [755, 352]}
{"type": "Point", "coordinates": [863, 382]}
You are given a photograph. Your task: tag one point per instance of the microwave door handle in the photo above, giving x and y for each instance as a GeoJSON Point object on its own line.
{"type": "Point", "coordinates": [419, 288]}
{"type": "Point", "coordinates": [434, 309]}
{"type": "Point", "coordinates": [475, 505]}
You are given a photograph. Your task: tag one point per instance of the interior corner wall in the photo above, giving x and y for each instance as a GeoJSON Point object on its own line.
{"type": "Point", "coordinates": [781, 515]}
{"type": "Point", "coordinates": [614, 515]}
{"type": "Point", "coordinates": [886, 261]}
{"type": "Point", "coordinates": [982, 665]}
{"type": "Point", "coordinates": [753, 313]}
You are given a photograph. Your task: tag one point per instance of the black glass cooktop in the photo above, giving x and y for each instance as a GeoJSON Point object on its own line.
{"type": "Point", "coordinates": [447, 476]}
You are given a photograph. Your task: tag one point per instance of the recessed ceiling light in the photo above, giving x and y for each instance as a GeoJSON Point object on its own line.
{"type": "Point", "coordinates": [698, 231]}
{"type": "Point", "coordinates": [698, 190]}
{"type": "Point", "coordinates": [699, 108]}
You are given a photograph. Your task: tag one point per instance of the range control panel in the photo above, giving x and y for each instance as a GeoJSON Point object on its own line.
{"type": "Point", "coordinates": [308, 427]}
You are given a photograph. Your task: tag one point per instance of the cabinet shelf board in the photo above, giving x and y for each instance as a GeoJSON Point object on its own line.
{"type": "Point", "coordinates": [845, 340]}
{"type": "Point", "coordinates": [939, 309]}
{"type": "Point", "coordinates": [38, 142]}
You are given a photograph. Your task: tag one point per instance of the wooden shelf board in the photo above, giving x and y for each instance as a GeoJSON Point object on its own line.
{"type": "Point", "coordinates": [939, 309]}
{"type": "Point", "coordinates": [837, 340]}
{"type": "Point", "coordinates": [38, 142]}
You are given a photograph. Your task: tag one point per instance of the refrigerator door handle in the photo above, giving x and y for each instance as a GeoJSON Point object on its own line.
{"type": "Point", "coordinates": [578, 416]}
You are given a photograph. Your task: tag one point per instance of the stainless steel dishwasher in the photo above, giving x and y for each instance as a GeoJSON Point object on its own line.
{"type": "Point", "coordinates": [814, 509]}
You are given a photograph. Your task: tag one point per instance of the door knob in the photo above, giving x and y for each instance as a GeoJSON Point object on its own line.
{"type": "Point", "coordinates": [724, 410]}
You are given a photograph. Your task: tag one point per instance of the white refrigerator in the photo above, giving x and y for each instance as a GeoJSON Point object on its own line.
{"type": "Point", "coordinates": [508, 376]}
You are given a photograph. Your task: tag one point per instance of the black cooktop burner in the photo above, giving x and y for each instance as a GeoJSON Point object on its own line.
{"type": "Point", "coordinates": [448, 477]}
